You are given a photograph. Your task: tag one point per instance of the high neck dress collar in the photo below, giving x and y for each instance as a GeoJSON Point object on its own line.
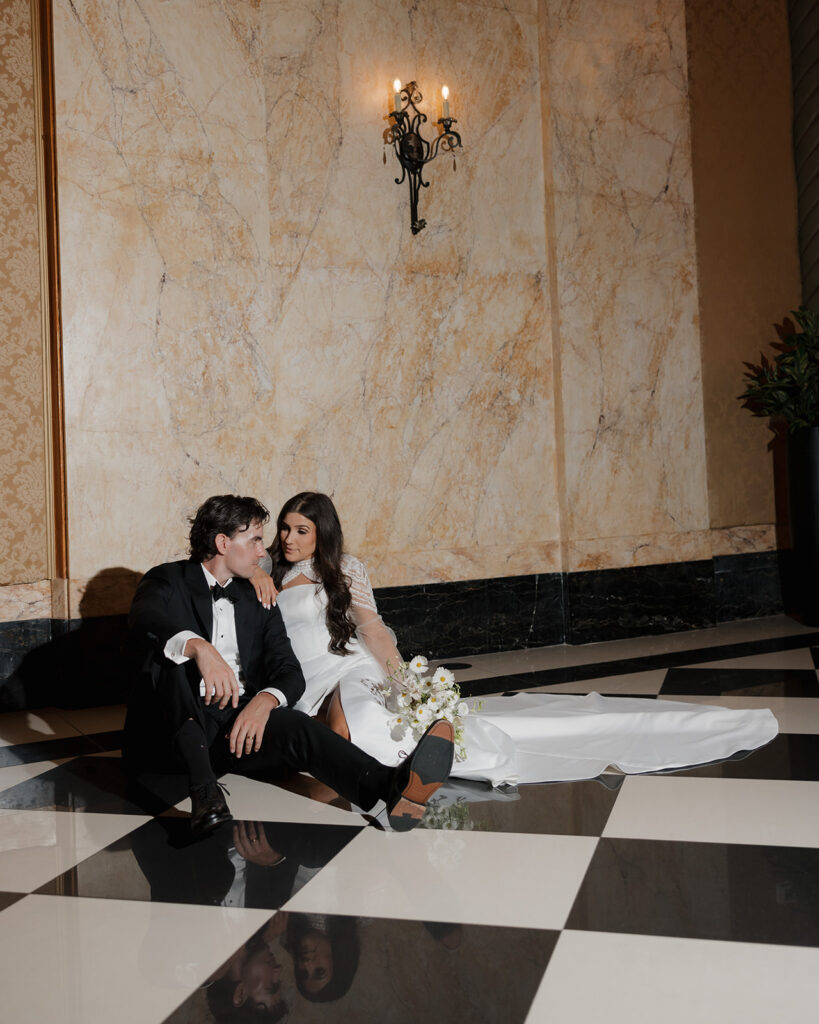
{"type": "Point", "coordinates": [303, 568]}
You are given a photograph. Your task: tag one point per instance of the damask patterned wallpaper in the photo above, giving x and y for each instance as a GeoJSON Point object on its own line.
{"type": "Point", "coordinates": [23, 537]}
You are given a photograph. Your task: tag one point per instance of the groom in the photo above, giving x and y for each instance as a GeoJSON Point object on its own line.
{"type": "Point", "coordinates": [219, 681]}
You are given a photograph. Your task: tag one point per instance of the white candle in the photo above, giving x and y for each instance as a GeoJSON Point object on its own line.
{"type": "Point", "coordinates": [445, 94]}
{"type": "Point", "coordinates": [397, 97]}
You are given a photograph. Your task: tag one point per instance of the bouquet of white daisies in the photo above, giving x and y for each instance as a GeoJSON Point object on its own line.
{"type": "Point", "coordinates": [416, 699]}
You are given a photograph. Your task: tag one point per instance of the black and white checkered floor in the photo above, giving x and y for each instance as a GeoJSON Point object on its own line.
{"type": "Point", "coordinates": [688, 896]}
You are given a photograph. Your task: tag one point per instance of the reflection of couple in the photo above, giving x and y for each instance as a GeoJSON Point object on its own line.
{"type": "Point", "coordinates": [341, 646]}
{"type": "Point", "coordinates": [247, 986]}
{"type": "Point", "coordinates": [325, 953]}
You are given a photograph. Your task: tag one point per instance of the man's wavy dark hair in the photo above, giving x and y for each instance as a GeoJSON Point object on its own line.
{"type": "Point", "coordinates": [223, 513]}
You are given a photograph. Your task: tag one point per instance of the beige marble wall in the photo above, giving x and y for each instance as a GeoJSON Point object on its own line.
{"type": "Point", "coordinates": [23, 509]}
{"type": "Point", "coordinates": [163, 247]}
{"type": "Point", "coordinates": [625, 261]}
{"type": "Point", "coordinates": [517, 389]}
{"type": "Point", "coordinates": [247, 310]}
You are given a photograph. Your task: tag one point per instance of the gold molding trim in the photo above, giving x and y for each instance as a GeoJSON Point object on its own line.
{"type": "Point", "coordinates": [50, 308]}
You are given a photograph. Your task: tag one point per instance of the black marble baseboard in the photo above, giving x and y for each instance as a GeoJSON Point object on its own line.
{"type": "Point", "coordinates": [481, 616]}
{"type": "Point", "coordinates": [76, 663]}
{"type": "Point", "coordinates": [86, 662]}
{"type": "Point", "coordinates": [476, 616]}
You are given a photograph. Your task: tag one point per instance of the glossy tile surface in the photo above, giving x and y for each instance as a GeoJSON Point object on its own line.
{"type": "Point", "coordinates": [597, 978]}
{"type": "Point", "coordinates": [616, 899]}
{"type": "Point", "coordinates": [701, 891]}
{"type": "Point", "coordinates": [434, 874]}
{"type": "Point", "coordinates": [246, 863]}
{"type": "Point", "coordinates": [398, 970]}
{"type": "Point", "coordinates": [307, 802]}
{"type": "Point", "coordinates": [38, 845]}
{"type": "Point", "coordinates": [34, 726]}
{"type": "Point", "coordinates": [756, 811]}
{"type": "Point", "coordinates": [87, 961]}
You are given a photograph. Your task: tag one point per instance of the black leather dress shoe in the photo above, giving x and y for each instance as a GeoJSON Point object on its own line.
{"type": "Point", "coordinates": [417, 778]}
{"type": "Point", "coordinates": [208, 808]}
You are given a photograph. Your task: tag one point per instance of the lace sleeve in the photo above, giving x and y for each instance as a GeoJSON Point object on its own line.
{"type": "Point", "coordinates": [371, 629]}
{"type": "Point", "coordinates": [360, 588]}
{"type": "Point", "coordinates": [266, 564]}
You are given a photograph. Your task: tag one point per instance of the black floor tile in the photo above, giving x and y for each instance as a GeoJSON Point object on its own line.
{"type": "Point", "coordinates": [741, 682]}
{"type": "Point", "coordinates": [97, 784]}
{"type": "Point", "coordinates": [51, 750]}
{"type": "Point", "coordinates": [738, 892]}
{"type": "Point", "coordinates": [604, 669]}
{"type": "Point", "coordinates": [559, 808]}
{"type": "Point", "coordinates": [268, 862]}
{"type": "Point", "coordinates": [787, 756]}
{"type": "Point", "coordinates": [390, 971]}
{"type": "Point", "coordinates": [7, 898]}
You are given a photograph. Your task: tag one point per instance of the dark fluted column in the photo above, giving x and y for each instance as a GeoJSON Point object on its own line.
{"type": "Point", "coordinates": [804, 27]}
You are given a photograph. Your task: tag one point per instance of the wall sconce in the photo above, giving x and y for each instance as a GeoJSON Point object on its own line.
{"type": "Point", "coordinates": [411, 148]}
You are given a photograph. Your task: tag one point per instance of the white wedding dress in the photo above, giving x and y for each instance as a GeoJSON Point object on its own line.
{"type": "Point", "coordinates": [528, 737]}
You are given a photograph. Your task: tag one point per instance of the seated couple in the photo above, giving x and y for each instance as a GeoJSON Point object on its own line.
{"type": "Point", "coordinates": [220, 685]}
{"type": "Point", "coordinates": [310, 641]}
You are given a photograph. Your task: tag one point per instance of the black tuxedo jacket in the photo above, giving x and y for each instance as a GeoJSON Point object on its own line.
{"type": "Point", "coordinates": [174, 597]}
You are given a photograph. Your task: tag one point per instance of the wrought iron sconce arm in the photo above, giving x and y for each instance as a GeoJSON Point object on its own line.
{"type": "Point", "coordinates": [412, 149]}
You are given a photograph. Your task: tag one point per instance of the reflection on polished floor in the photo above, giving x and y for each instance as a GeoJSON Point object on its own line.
{"type": "Point", "coordinates": [684, 896]}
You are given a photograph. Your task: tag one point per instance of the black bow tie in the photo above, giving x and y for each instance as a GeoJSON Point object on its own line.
{"type": "Point", "coordinates": [217, 591]}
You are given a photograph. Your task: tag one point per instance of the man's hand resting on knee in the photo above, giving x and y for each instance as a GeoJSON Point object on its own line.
{"type": "Point", "coordinates": [248, 727]}
{"type": "Point", "coordinates": [219, 678]}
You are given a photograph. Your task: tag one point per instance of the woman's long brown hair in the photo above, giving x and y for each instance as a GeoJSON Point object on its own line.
{"type": "Point", "coordinates": [321, 512]}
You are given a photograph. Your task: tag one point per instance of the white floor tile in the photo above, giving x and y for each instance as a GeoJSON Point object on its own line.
{"type": "Point", "coordinates": [36, 846]}
{"type": "Point", "coordinates": [600, 978]}
{"type": "Point", "coordinates": [33, 726]}
{"type": "Point", "coordinates": [794, 714]}
{"type": "Point", "coordinates": [91, 720]}
{"type": "Point", "coordinates": [252, 800]}
{"type": "Point", "coordinates": [647, 683]}
{"type": "Point", "coordinates": [799, 658]}
{"type": "Point", "coordinates": [562, 655]}
{"type": "Point", "coordinates": [86, 961]}
{"type": "Point", "coordinates": [758, 811]}
{"type": "Point", "coordinates": [15, 773]}
{"type": "Point", "coordinates": [472, 877]}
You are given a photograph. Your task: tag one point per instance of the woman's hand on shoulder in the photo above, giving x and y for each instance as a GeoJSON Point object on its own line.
{"type": "Point", "coordinates": [264, 587]}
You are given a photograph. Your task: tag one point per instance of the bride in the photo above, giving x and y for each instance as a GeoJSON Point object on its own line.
{"type": "Point", "coordinates": [345, 649]}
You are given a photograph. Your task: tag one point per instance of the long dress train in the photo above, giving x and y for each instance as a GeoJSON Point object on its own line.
{"type": "Point", "coordinates": [528, 737]}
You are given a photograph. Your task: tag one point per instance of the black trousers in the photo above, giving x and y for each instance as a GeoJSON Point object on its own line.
{"type": "Point", "coordinates": [292, 741]}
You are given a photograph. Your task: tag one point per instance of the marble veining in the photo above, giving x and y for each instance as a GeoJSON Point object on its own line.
{"type": "Point", "coordinates": [239, 266]}
{"type": "Point", "coordinates": [25, 601]}
{"type": "Point", "coordinates": [245, 308]}
{"type": "Point", "coordinates": [626, 275]}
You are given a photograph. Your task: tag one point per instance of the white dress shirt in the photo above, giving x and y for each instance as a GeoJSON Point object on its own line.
{"type": "Point", "coordinates": [223, 638]}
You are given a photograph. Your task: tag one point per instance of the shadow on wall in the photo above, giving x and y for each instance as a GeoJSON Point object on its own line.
{"type": "Point", "coordinates": [88, 661]}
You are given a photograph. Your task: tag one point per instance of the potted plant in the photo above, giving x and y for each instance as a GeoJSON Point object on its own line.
{"type": "Point", "coordinates": [787, 390]}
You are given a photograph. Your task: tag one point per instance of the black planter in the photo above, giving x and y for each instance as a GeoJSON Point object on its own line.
{"type": "Point", "coordinates": [803, 504]}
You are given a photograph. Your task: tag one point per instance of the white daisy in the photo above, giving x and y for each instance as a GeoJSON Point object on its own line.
{"type": "Point", "coordinates": [443, 677]}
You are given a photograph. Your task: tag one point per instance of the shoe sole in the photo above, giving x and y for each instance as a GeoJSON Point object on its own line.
{"type": "Point", "coordinates": [210, 824]}
{"type": "Point", "coordinates": [431, 763]}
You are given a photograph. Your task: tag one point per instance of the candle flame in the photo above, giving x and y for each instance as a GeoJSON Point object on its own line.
{"type": "Point", "coordinates": [445, 92]}
{"type": "Point", "coordinates": [396, 85]}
